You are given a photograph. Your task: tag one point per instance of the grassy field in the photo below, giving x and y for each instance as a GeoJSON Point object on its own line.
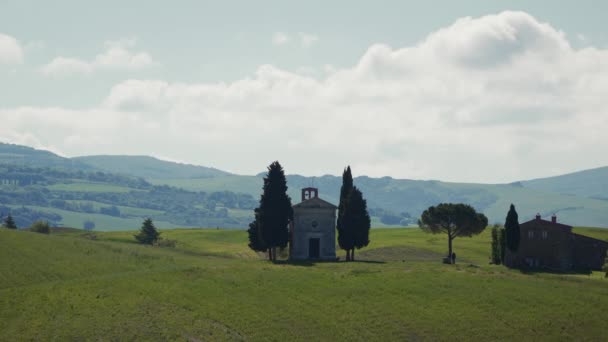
{"type": "Point", "coordinates": [67, 286]}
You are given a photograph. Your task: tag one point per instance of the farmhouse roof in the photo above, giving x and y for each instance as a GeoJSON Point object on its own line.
{"type": "Point", "coordinates": [540, 223]}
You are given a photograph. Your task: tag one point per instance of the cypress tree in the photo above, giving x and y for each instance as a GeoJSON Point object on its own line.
{"type": "Point", "coordinates": [512, 229]}
{"type": "Point", "coordinates": [255, 243]}
{"type": "Point", "coordinates": [147, 234]}
{"type": "Point", "coordinates": [361, 222]}
{"type": "Point", "coordinates": [496, 258]}
{"type": "Point", "coordinates": [606, 265]}
{"type": "Point", "coordinates": [502, 244]}
{"type": "Point", "coordinates": [275, 211]}
{"type": "Point", "coordinates": [345, 237]}
{"type": "Point", "coordinates": [9, 222]}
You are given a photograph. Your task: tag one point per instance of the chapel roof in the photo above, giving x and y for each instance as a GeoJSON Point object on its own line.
{"type": "Point", "coordinates": [315, 202]}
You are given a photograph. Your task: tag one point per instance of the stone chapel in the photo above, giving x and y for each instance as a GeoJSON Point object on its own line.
{"type": "Point", "coordinates": [313, 229]}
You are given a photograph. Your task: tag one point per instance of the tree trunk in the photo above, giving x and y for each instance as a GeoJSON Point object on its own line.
{"type": "Point", "coordinates": [352, 255]}
{"type": "Point", "coordinates": [269, 254]}
{"type": "Point", "coordinates": [274, 254]}
{"type": "Point", "coordinates": [450, 238]}
{"type": "Point", "coordinates": [348, 255]}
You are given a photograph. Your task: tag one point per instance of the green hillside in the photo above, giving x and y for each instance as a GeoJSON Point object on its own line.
{"type": "Point", "coordinates": [399, 196]}
{"type": "Point", "coordinates": [210, 287]}
{"type": "Point", "coordinates": [66, 197]}
{"type": "Point", "coordinates": [577, 199]}
{"type": "Point", "coordinates": [588, 183]}
{"type": "Point", "coordinates": [148, 167]}
{"type": "Point", "coordinates": [24, 155]}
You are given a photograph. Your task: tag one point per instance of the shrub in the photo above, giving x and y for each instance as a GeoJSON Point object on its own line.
{"type": "Point", "coordinates": [41, 227]}
{"type": "Point", "coordinates": [148, 234]}
{"type": "Point", "coordinates": [88, 225]}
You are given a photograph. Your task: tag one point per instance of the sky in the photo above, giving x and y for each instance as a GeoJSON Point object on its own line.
{"type": "Point", "coordinates": [467, 91]}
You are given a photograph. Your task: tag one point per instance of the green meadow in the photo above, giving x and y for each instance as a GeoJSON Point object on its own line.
{"type": "Point", "coordinates": [71, 285]}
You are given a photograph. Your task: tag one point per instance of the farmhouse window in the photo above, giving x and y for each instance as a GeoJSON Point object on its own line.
{"type": "Point", "coordinates": [530, 234]}
{"type": "Point", "coordinates": [545, 235]}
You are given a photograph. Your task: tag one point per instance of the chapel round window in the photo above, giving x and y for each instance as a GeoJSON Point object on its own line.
{"type": "Point", "coordinates": [315, 224]}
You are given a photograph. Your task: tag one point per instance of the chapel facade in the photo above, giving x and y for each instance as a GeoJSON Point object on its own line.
{"type": "Point", "coordinates": [313, 229]}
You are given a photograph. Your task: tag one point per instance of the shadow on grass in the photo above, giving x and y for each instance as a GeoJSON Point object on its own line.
{"type": "Point", "coordinates": [533, 271]}
{"type": "Point", "coordinates": [308, 263]}
{"type": "Point", "coordinates": [304, 263]}
{"type": "Point", "coordinates": [368, 261]}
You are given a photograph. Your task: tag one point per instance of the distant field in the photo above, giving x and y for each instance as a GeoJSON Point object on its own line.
{"type": "Point", "coordinates": [90, 187]}
{"type": "Point", "coordinates": [245, 184]}
{"type": "Point", "coordinates": [102, 222]}
{"type": "Point", "coordinates": [212, 287]}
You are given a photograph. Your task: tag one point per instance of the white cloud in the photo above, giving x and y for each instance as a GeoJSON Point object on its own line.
{"type": "Point", "coordinates": [11, 51]}
{"type": "Point", "coordinates": [497, 98]}
{"type": "Point", "coordinates": [117, 56]}
{"type": "Point", "coordinates": [307, 40]}
{"type": "Point", "coordinates": [280, 38]}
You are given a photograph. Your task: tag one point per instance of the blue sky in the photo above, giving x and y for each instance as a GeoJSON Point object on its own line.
{"type": "Point", "coordinates": [430, 90]}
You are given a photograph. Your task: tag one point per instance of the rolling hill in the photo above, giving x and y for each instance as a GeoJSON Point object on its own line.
{"type": "Point", "coordinates": [75, 286]}
{"type": "Point", "coordinates": [577, 198]}
{"type": "Point", "coordinates": [148, 167]}
{"type": "Point", "coordinates": [591, 183]}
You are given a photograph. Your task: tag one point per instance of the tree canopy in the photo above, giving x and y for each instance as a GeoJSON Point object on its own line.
{"type": "Point", "coordinates": [353, 218]}
{"type": "Point", "coordinates": [9, 222]}
{"type": "Point", "coordinates": [512, 229]}
{"type": "Point", "coordinates": [345, 189]}
{"type": "Point", "coordinates": [255, 243]}
{"type": "Point", "coordinates": [453, 219]}
{"type": "Point", "coordinates": [148, 234]}
{"type": "Point", "coordinates": [275, 212]}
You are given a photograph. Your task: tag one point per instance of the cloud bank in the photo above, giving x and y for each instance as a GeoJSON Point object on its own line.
{"type": "Point", "coordinates": [117, 56]}
{"type": "Point", "coordinates": [491, 99]}
{"type": "Point", "coordinates": [11, 51]}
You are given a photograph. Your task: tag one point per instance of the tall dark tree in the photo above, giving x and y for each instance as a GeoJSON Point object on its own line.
{"type": "Point", "coordinates": [275, 211]}
{"type": "Point", "coordinates": [9, 222]}
{"type": "Point", "coordinates": [453, 219]}
{"type": "Point", "coordinates": [345, 236]}
{"type": "Point", "coordinates": [502, 244]}
{"type": "Point", "coordinates": [358, 217]}
{"type": "Point", "coordinates": [495, 256]}
{"type": "Point", "coordinates": [345, 189]}
{"type": "Point", "coordinates": [147, 234]}
{"type": "Point", "coordinates": [606, 265]}
{"type": "Point", "coordinates": [255, 243]}
{"type": "Point", "coordinates": [512, 229]}
{"type": "Point", "coordinates": [355, 224]}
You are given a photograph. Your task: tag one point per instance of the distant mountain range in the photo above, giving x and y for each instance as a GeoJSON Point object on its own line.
{"type": "Point", "coordinates": [579, 198]}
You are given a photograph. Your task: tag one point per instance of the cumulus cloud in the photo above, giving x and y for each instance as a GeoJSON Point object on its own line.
{"type": "Point", "coordinates": [11, 51]}
{"type": "Point", "coordinates": [307, 40]}
{"type": "Point", "coordinates": [118, 55]}
{"type": "Point", "coordinates": [280, 38]}
{"type": "Point", "coordinates": [497, 98]}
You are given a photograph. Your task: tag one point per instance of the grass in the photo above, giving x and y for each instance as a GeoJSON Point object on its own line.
{"type": "Point", "coordinates": [212, 287]}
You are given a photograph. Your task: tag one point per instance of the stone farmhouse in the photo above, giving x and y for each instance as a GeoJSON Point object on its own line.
{"type": "Point", "coordinates": [552, 245]}
{"type": "Point", "coordinates": [313, 229]}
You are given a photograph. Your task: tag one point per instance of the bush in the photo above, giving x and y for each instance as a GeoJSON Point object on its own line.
{"type": "Point", "coordinates": [148, 234]}
{"type": "Point", "coordinates": [88, 225]}
{"type": "Point", "coordinates": [41, 227]}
